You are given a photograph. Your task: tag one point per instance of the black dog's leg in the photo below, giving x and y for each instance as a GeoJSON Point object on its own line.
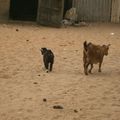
{"type": "Point", "coordinates": [46, 65]}
{"type": "Point", "coordinates": [51, 66]}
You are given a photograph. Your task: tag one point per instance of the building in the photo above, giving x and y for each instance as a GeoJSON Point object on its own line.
{"type": "Point", "coordinates": [4, 9]}
{"type": "Point", "coordinates": [115, 13]}
{"type": "Point", "coordinates": [98, 10]}
{"type": "Point", "coordinates": [51, 12]}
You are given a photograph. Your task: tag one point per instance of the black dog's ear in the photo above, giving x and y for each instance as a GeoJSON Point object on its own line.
{"type": "Point", "coordinates": [43, 50]}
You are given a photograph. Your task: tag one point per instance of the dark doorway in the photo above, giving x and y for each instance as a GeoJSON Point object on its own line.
{"type": "Point", "coordinates": [67, 5]}
{"type": "Point", "coordinates": [23, 10]}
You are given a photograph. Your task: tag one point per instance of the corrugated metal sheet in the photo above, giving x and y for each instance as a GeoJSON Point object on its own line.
{"type": "Point", "coordinates": [115, 14]}
{"type": "Point", "coordinates": [93, 10]}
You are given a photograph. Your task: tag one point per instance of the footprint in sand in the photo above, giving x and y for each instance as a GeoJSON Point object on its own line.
{"type": "Point", "coordinates": [5, 76]}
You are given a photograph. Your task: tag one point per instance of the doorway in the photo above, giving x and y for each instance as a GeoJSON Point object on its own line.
{"type": "Point", "coordinates": [23, 10]}
{"type": "Point", "coordinates": [67, 5]}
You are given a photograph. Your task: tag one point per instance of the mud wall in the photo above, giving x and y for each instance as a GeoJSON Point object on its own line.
{"type": "Point", "coordinates": [4, 9]}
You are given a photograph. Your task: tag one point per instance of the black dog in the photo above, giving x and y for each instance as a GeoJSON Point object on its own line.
{"type": "Point", "coordinates": [48, 58]}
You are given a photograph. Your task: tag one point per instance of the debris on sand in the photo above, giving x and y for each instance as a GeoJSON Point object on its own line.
{"type": "Point", "coordinates": [75, 111]}
{"type": "Point", "coordinates": [112, 33]}
{"type": "Point", "coordinates": [57, 107]}
{"type": "Point", "coordinates": [27, 40]}
{"type": "Point", "coordinates": [17, 30]}
{"type": "Point", "coordinates": [35, 83]}
{"type": "Point", "coordinates": [81, 24]}
{"type": "Point", "coordinates": [44, 100]}
{"type": "Point", "coordinates": [43, 37]}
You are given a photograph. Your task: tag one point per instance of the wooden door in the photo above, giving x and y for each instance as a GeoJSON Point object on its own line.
{"type": "Point", "coordinates": [50, 12]}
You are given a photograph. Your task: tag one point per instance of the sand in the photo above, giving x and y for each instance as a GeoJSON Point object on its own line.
{"type": "Point", "coordinates": [28, 93]}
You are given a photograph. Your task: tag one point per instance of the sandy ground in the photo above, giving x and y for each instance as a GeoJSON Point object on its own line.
{"type": "Point", "coordinates": [24, 84]}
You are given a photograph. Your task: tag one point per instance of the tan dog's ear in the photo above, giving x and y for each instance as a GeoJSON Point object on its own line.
{"type": "Point", "coordinates": [109, 45]}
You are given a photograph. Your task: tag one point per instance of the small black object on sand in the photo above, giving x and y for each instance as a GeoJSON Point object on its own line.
{"type": "Point", "coordinates": [75, 111]}
{"type": "Point", "coordinates": [35, 83]}
{"type": "Point", "coordinates": [57, 107]}
{"type": "Point", "coordinates": [17, 30]}
{"type": "Point", "coordinates": [44, 100]}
